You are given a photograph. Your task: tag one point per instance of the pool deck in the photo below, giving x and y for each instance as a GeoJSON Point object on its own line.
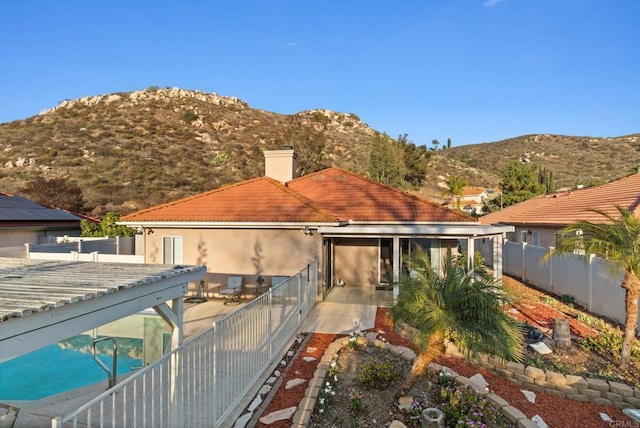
{"type": "Point", "coordinates": [343, 311]}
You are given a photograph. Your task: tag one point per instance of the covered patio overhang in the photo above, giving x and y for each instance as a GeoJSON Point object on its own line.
{"type": "Point", "coordinates": [396, 231]}
{"type": "Point", "coordinates": [43, 302]}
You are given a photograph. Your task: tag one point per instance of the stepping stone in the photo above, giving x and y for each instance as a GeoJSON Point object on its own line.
{"type": "Point", "coordinates": [537, 419]}
{"type": "Point", "coordinates": [541, 348]}
{"type": "Point", "coordinates": [294, 382]}
{"type": "Point", "coordinates": [309, 359]}
{"type": "Point", "coordinates": [311, 350]}
{"type": "Point", "coordinates": [243, 420]}
{"type": "Point", "coordinates": [278, 415]}
{"type": "Point", "coordinates": [255, 403]}
{"type": "Point", "coordinates": [529, 395]}
{"type": "Point", "coordinates": [265, 389]}
{"type": "Point", "coordinates": [272, 380]}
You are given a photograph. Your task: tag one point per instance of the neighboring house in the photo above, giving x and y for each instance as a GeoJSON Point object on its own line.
{"type": "Point", "coordinates": [539, 220]}
{"type": "Point", "coordinates": [472, 199]}
{"type": "Point", "coordinates": [356, 228]}
{"type": "Point", "coordinates": [23, 221]}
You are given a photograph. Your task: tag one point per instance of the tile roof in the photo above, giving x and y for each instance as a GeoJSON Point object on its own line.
{"type": "Point", "coordinates": [258, 200]}
{"type": "Point", "coordinates": [352, 197]}
{"type": "Point", "coordinates": [564, 208]}
{"type": "Point", "coordinates": [328, 196]}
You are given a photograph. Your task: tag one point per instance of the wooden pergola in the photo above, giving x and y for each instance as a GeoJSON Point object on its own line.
{"type": "Point", "coordinates": [43, 302]}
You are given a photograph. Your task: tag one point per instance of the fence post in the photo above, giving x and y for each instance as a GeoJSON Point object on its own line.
{"type": "Point", "coordinates": [522, 264]}
{"type": "Point", "coordinates": [590, 258]}
{"type": "Point", "coordinates": [550, 263]}
{"type": "Point", "coordinates": [28, 250]}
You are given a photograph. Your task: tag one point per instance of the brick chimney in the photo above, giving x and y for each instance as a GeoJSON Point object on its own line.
{"type": "Point", "coordinates": [280, 164]}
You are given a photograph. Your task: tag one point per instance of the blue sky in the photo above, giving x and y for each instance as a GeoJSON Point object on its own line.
{"type": "Point", "coordinates": [470, 70]}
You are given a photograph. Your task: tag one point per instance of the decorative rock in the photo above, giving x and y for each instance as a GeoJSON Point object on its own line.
{"type": "Point", "coordinates": [633, 414]}
{"type": "Point", "coordinates": [526, 423]}
{"type": "Point", "coordinates": [397, 424]}
{"type": "Point", "coordinates": [605, 417]}
{"type": "Point", "coordinates": [405, 403]}
{"type": "Point", "coordinates": [530, 396]}
{"type": "Point", "coordinates": [293, 383]}
{"type": "Point", "coordinates": [309, 359]}
{"type": "Point", "coordinates": [537, 419]}
{"type": "Point", "coordinates": [479, 380]}
{"type": "Point", "coordinates": [311, 349]}
{"type": "Point", "coordinates": [272, 380]}
{"type": "Point", "coordinates": [278, 415]}
{"type": "Point", "coordinates": [541, 348]}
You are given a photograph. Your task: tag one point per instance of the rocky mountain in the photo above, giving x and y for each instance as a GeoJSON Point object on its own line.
{"type": "Point", "coordinates": [128, 151]}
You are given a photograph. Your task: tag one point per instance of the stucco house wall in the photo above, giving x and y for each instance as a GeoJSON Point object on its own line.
{"type": "Point", "coordinates": [238, 252]}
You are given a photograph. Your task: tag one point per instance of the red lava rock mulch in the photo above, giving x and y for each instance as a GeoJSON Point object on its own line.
{"type": "Point", "coordinates": [556, 411]}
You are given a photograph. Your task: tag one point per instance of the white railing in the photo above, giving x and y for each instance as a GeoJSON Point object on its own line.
{"type": "Point", "coordinates": [203, 381]}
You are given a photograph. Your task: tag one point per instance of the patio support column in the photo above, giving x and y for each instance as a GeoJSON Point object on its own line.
{"type": "Point", "coordinates": [396, 267]}
{"type": "Point", "coordinates": [173, 316]}
{"type": "Point", "coordinates": [498, 244]}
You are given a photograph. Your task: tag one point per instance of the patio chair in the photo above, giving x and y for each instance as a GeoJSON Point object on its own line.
{"type": "Point", "coordinates": [8, 415]}
{"type": "Point", "coordinates": [232, 291]}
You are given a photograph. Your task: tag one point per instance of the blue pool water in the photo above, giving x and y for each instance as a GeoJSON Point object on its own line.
{"type": "Point", "coordinates": [52, 370]}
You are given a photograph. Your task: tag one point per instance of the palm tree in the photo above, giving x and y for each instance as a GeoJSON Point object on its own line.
{"type": "Point", "coordinates": [457, 306]}
{"type": "Point", "coordinates": [618, 240]}
{"type": "Point", "coordinates": [455, 185]}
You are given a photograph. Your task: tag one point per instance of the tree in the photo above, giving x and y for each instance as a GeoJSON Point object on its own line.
{"type": "Point", "coordinates": [466, 309]}
{"type": "Point", "coordinates": [455, 185]}
{"type": "Point", "coordinates": [310, 143]}
{"type": "Point", "coordinates": [107, 227]}
{"type": "Point", "coordinates": [618, 240]}
{"type": "Point", "coordinates": [448, 143]}
{"type": "Point", "coordinates": [55, 192]}
{"type": "Point", "coordinates": [386, 162]}
{"type": "Point", "coordinates": [416, 162]}
{"type": "Point", "coordinates": [519, 182]}
{"type": "Point", "coordinates": [435, 143]}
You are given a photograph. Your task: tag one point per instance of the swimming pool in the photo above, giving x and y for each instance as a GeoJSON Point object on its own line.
{"type": "Point", "coordinates": [64, 366]}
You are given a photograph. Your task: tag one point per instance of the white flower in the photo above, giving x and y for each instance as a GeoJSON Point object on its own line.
{"type": "Point", "coordinates": [333, 364]}
{"type": "Point", "coordinates": [321, 400]}
{"type": "Point", "coordinates": [333, 393]}
{"type": "Point", "coordinates": [321, 410]}
{"type": "Point", "coordinates": [328, 384]}
{"type": "Point", "coordinates": [335, 378]}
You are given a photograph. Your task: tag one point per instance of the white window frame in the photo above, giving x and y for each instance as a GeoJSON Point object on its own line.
{"type": "Point", "coordinates": [175, 252]}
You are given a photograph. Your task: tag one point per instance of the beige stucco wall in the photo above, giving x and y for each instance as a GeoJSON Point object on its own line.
{"type": "Point", "coordinates": [546, 236]}
{"type": "Point", "coordinates": [356, 261]}
{"type": "Point", "coordinates": [17, 237]}
{"type": "Point", "coordinates": [244, 252]}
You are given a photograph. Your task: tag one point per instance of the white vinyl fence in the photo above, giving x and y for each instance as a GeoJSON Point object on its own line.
{"type": "Point", "coordinates": [203, 381]}
{"type": "Point", "coordinates": [592, 281]}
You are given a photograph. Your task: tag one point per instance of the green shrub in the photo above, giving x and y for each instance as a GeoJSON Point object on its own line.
{"type": "Point", "coordinates": [608, 342]}
{"type": "Point", "coordinates": [377, 374]}
{"type": "Point", "coordinates": [188, 116]}
{"type": "Point", "coordinates": [568, 299]}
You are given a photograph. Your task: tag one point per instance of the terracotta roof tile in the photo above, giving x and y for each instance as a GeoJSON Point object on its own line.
{"type": "Point", "coordinates": [564, 208]}
{"type": "Point", "coordinates": [351, 197]}
{"type": "Point", "coordinates": [258, 200]}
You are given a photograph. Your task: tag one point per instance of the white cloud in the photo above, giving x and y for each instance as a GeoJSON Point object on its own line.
{"type": "Point", "coordinates": [489, 3]}
{"type": "Point", "coordinates": [292, 44]}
